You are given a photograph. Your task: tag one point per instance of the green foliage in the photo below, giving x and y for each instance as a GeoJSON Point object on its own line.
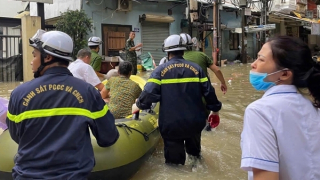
{"type": "Point", "coordinates": [77, 25]}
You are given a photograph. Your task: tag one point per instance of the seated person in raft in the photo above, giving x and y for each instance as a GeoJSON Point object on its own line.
{"type": "Point", "coordinates": [123, 91]}
{"type": "Point", "coordinates": [111, 73]}
{"type": "Point", "coordinates": [81, 69]}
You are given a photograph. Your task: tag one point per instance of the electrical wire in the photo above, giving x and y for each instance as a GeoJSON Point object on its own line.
{"type": "Point", "coordinates": [109, 16]}
{"type": "Point", "coordinates": [259, 4]}
{"type": "Point", "coordinates": [98, 4]}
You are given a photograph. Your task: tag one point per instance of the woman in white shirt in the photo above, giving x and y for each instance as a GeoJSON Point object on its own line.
{"type": "Point", "coordinates": [281, 133]}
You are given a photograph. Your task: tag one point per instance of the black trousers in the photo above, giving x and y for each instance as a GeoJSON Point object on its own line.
{"type": "Point", "coordinates": [175, 149]}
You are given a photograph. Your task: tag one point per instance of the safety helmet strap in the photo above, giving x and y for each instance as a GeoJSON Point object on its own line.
{"type": "Point", "coordinates": [43, 55]}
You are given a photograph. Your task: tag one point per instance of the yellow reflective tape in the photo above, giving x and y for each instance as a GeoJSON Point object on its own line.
{"type": "Point", "coordinates": [66, 111]}
{"type": "Point", "coordinates": [180, 80]}
{"type": "Point", "coordinates": [204, 79]}
{"type": "Point", "coordinates": [154, 81]}
{"type": "Point", "coordinates": [183, 80]}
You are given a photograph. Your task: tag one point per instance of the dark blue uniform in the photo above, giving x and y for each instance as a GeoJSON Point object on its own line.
{"type": "Point", "coordinates": [179, 86]}
{"type": "Point", "coordinates": [49, 117]}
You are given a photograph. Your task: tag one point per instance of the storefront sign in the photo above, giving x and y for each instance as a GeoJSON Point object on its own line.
{"type": "Point", "coordinates": [136, 29]}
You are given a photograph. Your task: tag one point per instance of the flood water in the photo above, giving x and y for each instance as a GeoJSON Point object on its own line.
{"type": "Point", "coordinates": [220, 148]}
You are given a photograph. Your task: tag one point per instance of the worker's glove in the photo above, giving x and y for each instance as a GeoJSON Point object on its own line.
{"type": "Point", "coordinates": [213, 120]}
{"type": "Point", "coordinates": [105, 76]}
{"type": "Point", "coordinates": [135, 108]}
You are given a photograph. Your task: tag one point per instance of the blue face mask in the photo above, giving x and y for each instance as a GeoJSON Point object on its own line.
{"type": "Point", "coordinates": [257, 80]}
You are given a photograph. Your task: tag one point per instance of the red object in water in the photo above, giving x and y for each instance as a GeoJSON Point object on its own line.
{"type": "Point", "coordinates": [214, 120]}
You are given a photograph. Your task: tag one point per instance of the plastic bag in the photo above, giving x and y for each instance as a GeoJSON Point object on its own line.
{"type": "Point", "coordinates": [3, 113]}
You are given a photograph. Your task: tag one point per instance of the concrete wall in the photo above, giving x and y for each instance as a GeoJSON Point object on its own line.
{"type": "Point", "coordinates": [105, 13]}
{"type": "Point", "coordinates": [9, 8]}
{"type": "Point", "coordinates": [32, 24]}
{"type": "Point", "coordinates": [55, 9]}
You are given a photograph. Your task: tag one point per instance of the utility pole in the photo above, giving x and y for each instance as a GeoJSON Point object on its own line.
{"type": "Point", "coordinates": [219, 40]}
{"type": "Point", "coordinates": [263, 19]}
{"type": "Point", "coordinates": [215, 39]}
{"type": "Point", "coordinates": [243, 5]}
{"type": "Point", "coordinates": [243, 49]}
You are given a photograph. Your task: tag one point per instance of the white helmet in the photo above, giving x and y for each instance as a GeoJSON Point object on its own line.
{"type": "Point", "coordinates": [55, 43]}
{"type": "Point", "coordinates": [174, 43]}
{"type": "Point", "coordinates": [94, 41]}
{"type": "Point", "coordinates": [187, 38]}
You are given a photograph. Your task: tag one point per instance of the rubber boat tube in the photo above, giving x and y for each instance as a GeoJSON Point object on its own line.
{"type": "Point", "coordinates": [137, 141]}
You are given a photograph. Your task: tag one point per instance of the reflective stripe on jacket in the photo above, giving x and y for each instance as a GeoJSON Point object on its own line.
{"type": "Point", "coordinates": [179, 86]}
{"type": "Point", "coordinates": [49, 118]}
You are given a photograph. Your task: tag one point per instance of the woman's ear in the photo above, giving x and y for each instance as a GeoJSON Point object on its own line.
{"type": "Point", "coordinates": [287, 75]}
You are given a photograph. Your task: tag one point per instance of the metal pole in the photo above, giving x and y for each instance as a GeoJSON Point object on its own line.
{"type": "Point", "coordinates": [219, 40]}
{"type": "Point", "coordinates": [214, 43]}
{"type": "Point", "coordinates": [264, 20]}
{"type": "Point", "coordinates": [243, 52]}
{"type": "Point", "coordinates": [40, 7]}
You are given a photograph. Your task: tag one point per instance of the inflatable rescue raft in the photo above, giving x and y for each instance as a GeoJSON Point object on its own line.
{"type": "Point", "coordinates": [138, 139]}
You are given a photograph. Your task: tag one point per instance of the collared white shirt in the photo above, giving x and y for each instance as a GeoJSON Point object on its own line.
{"type": "Point", "coordinates": [84, 71]}
{"type": "Point", "coordinates": [281, 133]}
{"type": "Point", "coordinates": [163, 60]}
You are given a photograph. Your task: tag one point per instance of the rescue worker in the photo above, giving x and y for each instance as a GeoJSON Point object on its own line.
{"type": "Point", "coordinates": [203, 61]}
{"type": "Point", "coordinates": [131, 49]}
{"type": "Point", "coordinates": [48, 117]}
{"type": "Point", "coordinates": [94, 44]}
{"type": "Point", "coordinates": [179, 86]}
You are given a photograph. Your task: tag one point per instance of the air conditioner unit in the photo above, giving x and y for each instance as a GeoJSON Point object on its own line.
{"type": "Point", "coordinates": [124, 5]}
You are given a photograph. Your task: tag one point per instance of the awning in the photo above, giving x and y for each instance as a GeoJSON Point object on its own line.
{"type": "Point", "coordinates": [24, 13]}
{"type": "Point", "coordinates": [156, 18]}
{"type": "Point", "coordinates": [278, 17]}
{"type": "Point", "coordinates": [258, 28]}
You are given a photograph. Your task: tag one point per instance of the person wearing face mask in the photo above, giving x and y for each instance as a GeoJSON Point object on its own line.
{"type": "Point", "coordinates": [49, 117]}
{"type": "Point", "coordinates": [280, 137]}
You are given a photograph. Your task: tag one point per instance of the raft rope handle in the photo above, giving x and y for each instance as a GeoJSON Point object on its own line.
{"type": "Point", "coordinates": [145, 135]}
{"type": "Point", "coordinates": [152, 131]}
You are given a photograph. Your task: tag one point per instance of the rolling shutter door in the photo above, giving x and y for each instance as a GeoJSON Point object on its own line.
{"type": "Point", "coordinates": [153, 34]}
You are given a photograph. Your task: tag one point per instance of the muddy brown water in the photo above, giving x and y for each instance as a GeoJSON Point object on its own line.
{"type": "Point", "coordinates": [220, 148]}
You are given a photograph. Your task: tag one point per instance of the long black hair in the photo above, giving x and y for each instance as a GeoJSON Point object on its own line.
{"type": "Point", "coordinates": [294, 54]}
